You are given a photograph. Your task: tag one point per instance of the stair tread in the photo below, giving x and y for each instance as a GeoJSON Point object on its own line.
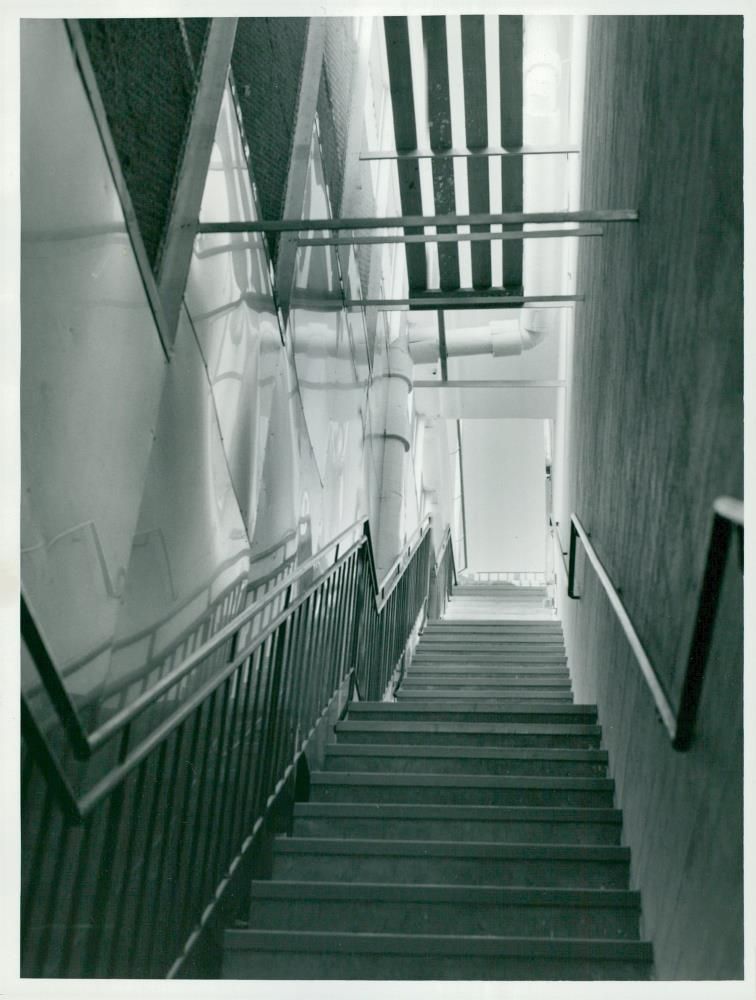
{"type": "Point", "coordinates": [503, 895]}
{"type": "Point", "coordinates": [442, 726]}
{"type": "Point", "coordinates": [390, 810]}
{"type": "Point", "coordinates": [452, 848]}
{"type": "Point", "coordinates": [466, 944]}
{"type": "Point", "coordinates": [484, 707]}
{"type": "Point", "coordinates": [452, 780]}
{"type": "Point", "coordinates": [496, 753]}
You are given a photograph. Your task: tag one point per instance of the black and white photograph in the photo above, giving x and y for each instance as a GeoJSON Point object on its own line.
{"type": "Point", "coordinates": [375, 452]}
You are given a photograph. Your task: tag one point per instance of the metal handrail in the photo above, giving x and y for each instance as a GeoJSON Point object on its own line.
{"type": "Point", "coordinates": [554, 526]}
{"type": "Point", "coordinates": [86, 743]}
{"type": "Point", "coordinates": [728, 515]}
{"type": "Point", "coordinates": [141, 846]}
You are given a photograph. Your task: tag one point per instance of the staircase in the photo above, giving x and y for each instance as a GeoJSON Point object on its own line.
{"type": "Point", "coordinates": [465, 831]}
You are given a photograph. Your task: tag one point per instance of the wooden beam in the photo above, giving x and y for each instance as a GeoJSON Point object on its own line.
{"type": "Point", "coordinates": [512, 234]}
{"type": "Point", "coordinates": [404, 221]}
{"type": "Point", "coordinates": [470, 153]}
{"type": "Point", "coordinates": [181, 229]}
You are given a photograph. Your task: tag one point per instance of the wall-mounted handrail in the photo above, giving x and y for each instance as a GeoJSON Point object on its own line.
{"type": "Point", "coordinates": [728, 515]}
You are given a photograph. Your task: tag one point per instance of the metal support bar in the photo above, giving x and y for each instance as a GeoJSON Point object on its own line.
{"type": "Point", "coordinates": [431, 154]}
{"type": "Point", "coordinates": [489, 384]}
{"type": "Point", "coordinates": [442, 354]}
{"type": "Point", "coordinates": [402, 221]}
{"type": "Point", "coordinates": [450, 301]}
{"type": "Point", "coordinates": [511, 234]}
{"type": "Point", "coordinates": [176, 254]}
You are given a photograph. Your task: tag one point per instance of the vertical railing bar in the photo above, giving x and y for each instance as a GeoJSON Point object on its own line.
{"type": "Point", "coordinates": [116, 945]}
{"type": "Point", "coordinates": [225, 849]}
{"type": "Point", "coordinates": [286, 739]}
{"type": "Point", "coordinates": [206, 867]}
{"type": "Point", "coordinates": [237, 816]}
{"type": "Point", "coordinates": [187, 911]}
{"type": "Point", "coordinates": [327, 666]}
{"type": "Point", "coordinates": [276, 707]}
{"type": "Point", "coordinates": [184, 827]}
{"type": "Point", "coordinates": [58, 883]}
{"type": "Point", "coordinates": [249, 789]}
{"type": "Point", "coordinates": [71, 923]}
{"type": "Point", "coordinates": [108, 852]}
{"type": "Point", "coordinates": [268, 659]}
{"type": "Point", "coordinates": [33, 895]}
{"type": "Point", "coordinates": [303, 673]}
{"type": "Point", "coordinates": [135, 948]}
{"type": "Point", "coordinates": [166, 843]}
{"type": "Point", "coordinates": [319, 657]}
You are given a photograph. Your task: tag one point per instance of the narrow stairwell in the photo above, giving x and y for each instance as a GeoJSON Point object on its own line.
{"type": "Point", "coordinates": [465, 831]}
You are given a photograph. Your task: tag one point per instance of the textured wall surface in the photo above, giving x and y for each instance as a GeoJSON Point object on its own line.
{"type": "Point", "coordinates": [656, 433]}
{"type": "Point", "coordinates": [267, 65]}
{"type": "Point", "coordinates": [145, 70]}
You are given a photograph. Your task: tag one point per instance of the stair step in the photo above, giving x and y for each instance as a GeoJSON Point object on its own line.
{"type": "Point", "coordinates": [468, 655]}
{"type": "Point", "coordinates": [492, 824]}
{"type": "Point", "coordinates": [418, 677]}
{"type": "Point", "coordinates": [505, 672]}
{"type": "Point", "coordinates": [474, 711]}
{"type": "Point", "coordinates": [490, 734]}
{"type": "Point", "coordinates": [273, 954]}
{"type": "Point", "coordinates": [433, 909]}
{"type": "Point", "coordinates": [426, 694]}
{"type": "Point", "coordinates": [463, 644]}
{"type": "Point", "coordinates": [497, 625]}
{"type": "Point", "coordinates": [344, 786]}
{"type": "Point", "coordinates": [463, 760]}
{"type": "Point", "coordinates": [437, 862]}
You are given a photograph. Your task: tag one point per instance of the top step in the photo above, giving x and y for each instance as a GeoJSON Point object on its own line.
{"type": "Point", "coordinates": [495, 624]}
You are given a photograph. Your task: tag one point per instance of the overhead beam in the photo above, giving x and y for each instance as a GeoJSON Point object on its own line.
{"type": "Point", "coordinates": [439, 129]}
{"type": "Point", "coordinates": [511, 105]}
{"type": "Point", "coordinates": [512, 234]}
{"type": "Point", "coordinates": [404, 221]}
{"type": "Point", "coordinates": [176, 255]}
{"type": "Point", "coordinates": [468, 153]}
{"type": "Point", "coordinates": [396, 33]}
{"type": "Point", "coordinates": [476, 135]}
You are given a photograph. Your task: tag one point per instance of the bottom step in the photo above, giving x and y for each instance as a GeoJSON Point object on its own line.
{"type": "Point", "coordinates": [252, 954]}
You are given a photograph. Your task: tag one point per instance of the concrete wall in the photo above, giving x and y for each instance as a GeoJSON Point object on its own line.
{"type": "Point", "coordinates": [655, 434]}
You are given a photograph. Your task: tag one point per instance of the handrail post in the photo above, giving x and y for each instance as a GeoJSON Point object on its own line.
{"type": "Point", "coordinates": [703, 631]}
{"type": "Point", "coordinates": [573, 556]}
